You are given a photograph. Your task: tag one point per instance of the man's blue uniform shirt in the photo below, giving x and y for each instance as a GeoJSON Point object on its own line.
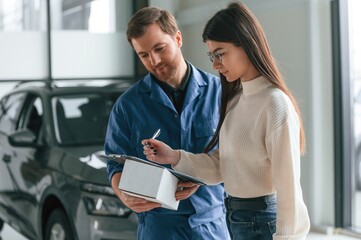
{"type": "Point", "coordinates": [144, 108]}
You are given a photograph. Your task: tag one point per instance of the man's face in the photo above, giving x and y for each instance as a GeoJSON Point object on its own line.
{"type": "Point", "coordinates": [160, 53]}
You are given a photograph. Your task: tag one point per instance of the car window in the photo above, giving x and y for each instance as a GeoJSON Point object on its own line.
{"type": "Point", "coordinates": [82, 119]}
{"type": "Point", "coordinates": [31, 117]}
{"type": "Point", "coordinates": [10, 110]}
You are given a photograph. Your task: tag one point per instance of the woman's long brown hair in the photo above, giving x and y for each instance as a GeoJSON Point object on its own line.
{"type": "Point", "coordinates": [236, 24]}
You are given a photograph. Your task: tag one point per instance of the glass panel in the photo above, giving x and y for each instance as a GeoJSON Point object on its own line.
{"type": "Point", "coordinates": [355, 80]}
{"type": "Point", "coordinates": [23, 39]}
{"type": "Point", "coordinates": [35, 118]}
{"type": "Point", "coordinates": [88, 39]}
{"type": "Point", "coordinates": [20, 15]}
{"type": "Point", "coordinates": [31, 117]}
{"type": "Point", "coordinates": [82, 119]}
{"type": "Point", "coordinates": [9, 112]}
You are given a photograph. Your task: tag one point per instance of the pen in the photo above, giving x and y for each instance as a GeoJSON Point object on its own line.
{"type": "Point", "coordinates": [155, 135]}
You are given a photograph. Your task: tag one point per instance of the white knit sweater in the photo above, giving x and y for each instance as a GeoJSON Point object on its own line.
{"type": "Point", "coordinates": [258, 155]}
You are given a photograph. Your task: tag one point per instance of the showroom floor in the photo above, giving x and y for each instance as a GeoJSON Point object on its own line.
{"type": "Point", "coordinates": [317, 236]}
{"type": "Point", "coordinates": [9, 233]}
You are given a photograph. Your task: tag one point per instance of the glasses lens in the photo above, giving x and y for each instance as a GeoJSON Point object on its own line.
{"type": "Point", "coordinates": [217, 56]}
{"type": "Point", "coordinates": [210, 56]}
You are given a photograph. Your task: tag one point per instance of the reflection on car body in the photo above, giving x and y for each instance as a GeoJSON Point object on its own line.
{"type": "Point", "coordinates": [51, 182]}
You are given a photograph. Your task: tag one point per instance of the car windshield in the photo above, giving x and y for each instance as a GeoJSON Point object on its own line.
{"type": "Point", "coordinates": [82, 119]}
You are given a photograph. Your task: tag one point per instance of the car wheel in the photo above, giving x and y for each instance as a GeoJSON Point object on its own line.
{"type": "Point", "coordinates": [57, 227]}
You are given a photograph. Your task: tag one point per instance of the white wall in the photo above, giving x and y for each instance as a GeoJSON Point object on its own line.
{"type": "Point", "coordinates": [299, 33]}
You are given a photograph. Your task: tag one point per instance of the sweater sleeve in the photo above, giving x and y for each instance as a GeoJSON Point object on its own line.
{"type": "Point", "coordinates": [282, 144]}
{"type": "Point", "coordinates": [203, 166]}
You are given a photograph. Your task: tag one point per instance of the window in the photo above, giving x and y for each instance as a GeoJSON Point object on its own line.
{"type": "Point", "coordinates": [85, 39]}
{"type": "Point", "coordinates": [88, 39]}
{"type": "Point", "coordinates": [32, 115]}
{"type": "Point", "coordinates": [354, 19]}
{"type": "Point", "coordinates": [10, 111]}
{"type": "Point", "coordinates": [347, 99]}
{"type": "Point", "coordinates": [82, 119]}
{"type": "Point", "coordinates": [23, 38]}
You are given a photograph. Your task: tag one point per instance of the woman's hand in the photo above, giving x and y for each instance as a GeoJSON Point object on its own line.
{"type": "Point", "coordinates": [160, 152]}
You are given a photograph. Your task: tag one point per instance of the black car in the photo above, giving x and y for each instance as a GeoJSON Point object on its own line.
{"type": "Point", "coordinates": [52, 184]}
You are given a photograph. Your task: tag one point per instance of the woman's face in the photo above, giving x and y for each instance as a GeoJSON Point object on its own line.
{"type": "Point", "coordinates": [231, 61]}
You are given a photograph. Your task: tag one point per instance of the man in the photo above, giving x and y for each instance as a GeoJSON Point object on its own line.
{"type": "Point", "coordinates": [183, 102]}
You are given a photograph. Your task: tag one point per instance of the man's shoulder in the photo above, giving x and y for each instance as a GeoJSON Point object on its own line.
{"type": "Point", "coordinates": [135, 88]}
{"type": "Point", "coordinates": [197, 70]}
{"type": "Point", "coordinates": [207, 77]}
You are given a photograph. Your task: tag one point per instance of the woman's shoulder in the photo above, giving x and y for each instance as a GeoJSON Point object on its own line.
{"type": "Point", "coordinates": [276, 98]}
{"type": "Point", "coordinates": [278, 106]}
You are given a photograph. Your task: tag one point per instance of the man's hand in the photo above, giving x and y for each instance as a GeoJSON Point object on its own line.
{"type": "Point", "coordinates": [186, 189]}
{"type": "Point", "coordinates": [138, 205]}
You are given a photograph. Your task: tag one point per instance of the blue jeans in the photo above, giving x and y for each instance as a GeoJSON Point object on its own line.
{"type": "Point", "coordinates": [148, 229]}
{"type": "Point", "coordinates": [253, 224]}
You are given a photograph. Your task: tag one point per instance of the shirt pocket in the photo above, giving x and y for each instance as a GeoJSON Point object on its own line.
{"type": "Point", "coordinates": [204, 130]}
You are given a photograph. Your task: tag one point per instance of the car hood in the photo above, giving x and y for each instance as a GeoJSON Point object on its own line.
{"type": "Point", "coordinates": [80, 163]}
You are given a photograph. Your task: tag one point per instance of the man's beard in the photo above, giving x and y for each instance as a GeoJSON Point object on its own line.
{"type": "Point", "coordinates": [171, 69]}
{"type": "Point", "coordinates": [166, 75]}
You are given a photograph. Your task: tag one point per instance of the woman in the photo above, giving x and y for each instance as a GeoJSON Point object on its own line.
{"type": "Point", "coordinates": [260, 134]}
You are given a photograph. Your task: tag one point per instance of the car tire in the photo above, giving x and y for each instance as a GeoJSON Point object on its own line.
{"type": "Point", "coordinates": [58, 227]}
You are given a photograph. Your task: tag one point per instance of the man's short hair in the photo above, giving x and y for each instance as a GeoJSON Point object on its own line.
{"type": "Point", "coordinates": [147, 16]}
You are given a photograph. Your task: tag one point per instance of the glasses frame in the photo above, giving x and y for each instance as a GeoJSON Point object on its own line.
{"type": "Point", "coordinates": [216, 55]}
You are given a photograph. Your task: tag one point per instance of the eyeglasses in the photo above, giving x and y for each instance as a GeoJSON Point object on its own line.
{"type": "Point", "coordinates": [216, 55]}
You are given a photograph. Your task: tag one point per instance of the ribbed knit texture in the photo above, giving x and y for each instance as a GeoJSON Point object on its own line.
{"type": "Point", "coordinates": [259, 154]}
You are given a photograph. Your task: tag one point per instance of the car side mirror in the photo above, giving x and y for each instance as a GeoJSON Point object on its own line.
{"type": "Point", "coordinates": [23, 138]}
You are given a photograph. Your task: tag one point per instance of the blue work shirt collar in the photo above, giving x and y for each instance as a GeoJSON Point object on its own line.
{"type": "Point", "coordinates": [195, 82]}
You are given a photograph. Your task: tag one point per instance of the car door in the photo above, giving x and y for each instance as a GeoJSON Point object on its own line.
{"type": "Point", "coordinates": [23, 166]}
{"type": "Point", "coordinates": [10, 108]}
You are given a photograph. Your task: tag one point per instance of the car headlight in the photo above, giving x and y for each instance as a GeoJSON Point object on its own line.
{"type": "Point", "coordinates": [89, 187]}
{"type": "Point", "coordinates": [101, 203]}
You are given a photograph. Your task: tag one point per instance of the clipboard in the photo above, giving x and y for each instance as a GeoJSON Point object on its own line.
{"type": "Point", "coordinates": [121, 158]}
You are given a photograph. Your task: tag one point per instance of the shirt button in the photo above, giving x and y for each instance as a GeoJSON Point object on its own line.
{"type": "Point", "coordinates": [176, 115]}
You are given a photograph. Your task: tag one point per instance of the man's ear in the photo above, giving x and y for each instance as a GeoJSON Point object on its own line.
{"type": "Point", "coordinates": [178, 38]}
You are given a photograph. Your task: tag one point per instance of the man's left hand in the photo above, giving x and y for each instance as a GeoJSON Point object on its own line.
{"type": "Point", "coordinates": [186, 189]}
